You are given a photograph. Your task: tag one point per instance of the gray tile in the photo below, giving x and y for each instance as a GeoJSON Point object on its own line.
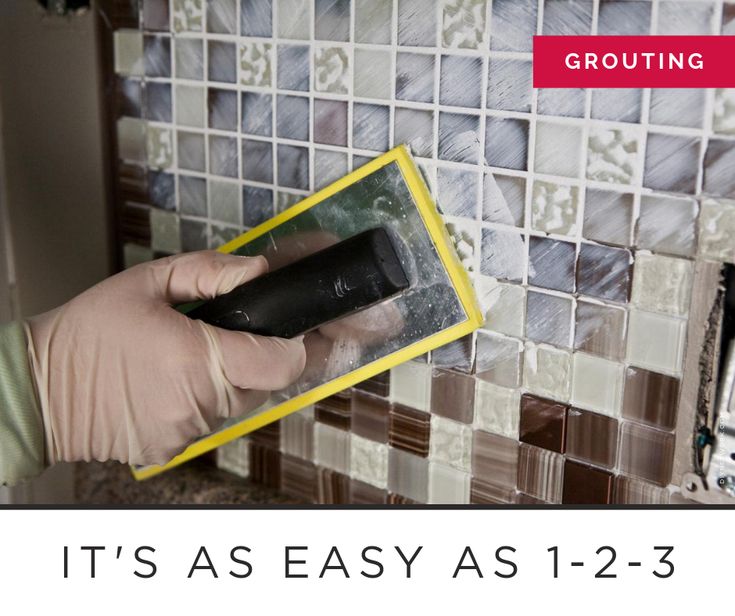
{"type": "Point", "coordinates": [513, 24]}
{"type": "Point", "coordinates": [193, 235]}
{"type": "Point", "coordinates": [504, 199]}
{"type": "Point", "coordinates": [256, 18]}
{"type": "Point", "coordinates": [667, 224]}
{"type": "Point", "coordinates": [506, 143]}
{"type": "Point", "coordinates": [608, 216]}
{"type": "Point", "coordinates": [332, 20]}
{"type": "Point", "coordinates": [373, 19]}
{"type": "Point", "coordinates": [257, 161]}
{"type": "Point", "coordinates": [222, 16]}
{"type": "Point", "coordinates": [223, 156]}
{"type": "Point", "coordinates": [157, 56]}
{"type": "Point", "coordinates": [155, 15]}
{"type": "Point", "coordinates": [370, 127]}
{"type": "Point", "coordinates": [293, 67]}
{"type": "Point", "coordinates": [503, 254]}
{"type": "Point", "coordinates": [189, 58]}
{"type": "Point", "coordinates": [191, 151]}
{"type": "Point", "coordinates": [604, 272]}
{"type": "Point", "coordinates": [292, 117]}
{"type": "Point", "coordinates": [257, 205]}
{"type": "Point", "coordinates": [222, 107]}
{"type": "Point", "coordinates": [162, 190]}
{"type": "Point", "coordinates": [129, 97]}
{"type": "Point", "coordinates": [690, 17]}
{"type": "Point", "coordinates": [459, 137]}
{"type": "Point", "coordinates": [719, 168]}
{"type": "Point", "coordinates": [460, 83]}
{"type": "Point", "coordinates": [328, 167]}
{"type": "Point", "coordinates": [568, 102]}
{"type": "Point", "coordinates": [416, 128]}
{"type": "Point", "coordinates": [257, 114]}
{"type": "Point", "coordinates": [509, 84]}
{"type": "Point", "coordinates": [457, 192]}
{"type": "Point", "coordinates": [671, 163]}
{"type": "Point", "coordinates": [293, 167]}
{"type": "Point", "coordinates": [631, 17]}
{"type": "Point", "coordinates": [330, 122]}
{"type": "Point", "coordinates": [677, 107]}
{"type": "Point", "coordinates": [548, 318]}
{"type": "Point", "coordinates": [567, 17]}
{"type": "Point", "coordinates": [157, 105]}
{"type": "Point", "coordinates": [551, 264]}
{"type": "Point", "coordinates": [417, 26]}
{"type": "Point", "coordinates": [192, 195]}
{"type": "Point", "coordinates": [222, 61]}
{"type": "Point", "coordinates": [616, 104]}
{"type": "Point", "coordinates": [224, 201]}
{"type": "Point", "coordinates": [415, 77]}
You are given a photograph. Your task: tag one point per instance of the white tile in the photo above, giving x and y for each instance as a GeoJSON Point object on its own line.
{"type": "Point", "coordinates": [234, 457]}
{"type": "Point", "coordinates": [165, 235]}
{"type": "Point", "coordinates": [190, 106]}
{"type": "Point", "coordinates": [547, 371]}
{"type": "Point", "coordinates": [503, 305]}
{"type": "Point", "coordinates": [447, 485]}
{"type": "Point", "coordinates": [410, 384]}
{"type": "Point", "coordinates": [597, 384]}
{"type": "Point", "coordinates": [332, 447]}
{"type": "Point", "coordinates": [717, 230]}
{"type": "Point", "coordinates": [450, 443]}
{"type": "Point", "coordinates": [128, 45]}
{"type": "Point", "coordinates": [656, 341]}
{"type": "Point", "coordinates": [294, 19]}
{"type": "Point", "coordinates": [662, 284]}
{"type": "Point", "coordinates": [369, 461]}
{"type": "Point", "coordinates": [558, 149]}
{"type": "Point", "coordinates": [497, 409]}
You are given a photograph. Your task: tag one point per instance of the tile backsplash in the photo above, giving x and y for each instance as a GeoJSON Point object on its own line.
{"type": "Point", "coordinates": [580, 215]}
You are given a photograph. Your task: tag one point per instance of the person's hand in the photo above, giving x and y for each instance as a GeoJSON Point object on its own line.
{"type": "Point", "coordinates": [122, 375]}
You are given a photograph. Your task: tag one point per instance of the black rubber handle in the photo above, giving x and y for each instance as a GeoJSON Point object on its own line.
{"type": "Point", "coordinates": [332, 283]}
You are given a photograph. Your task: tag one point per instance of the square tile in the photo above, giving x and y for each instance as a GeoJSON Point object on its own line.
{"type": "Point", "coordinates": [458, 192]}
{"type": "Point", "coordinates": [719, 162]}
{"type": "Point", "coordinates": [224, 201]}
{"type": "Point", "coordinates": [223, 156]}
{"type": "Point", "coordinates": [617, 104]}
{"type": "Point", "coordinates": [506, 143]}
{"type": "Point", "coordinates": [509, 85]}
{"type": "Point", "coordinates": [332, 20]}
{"type": "Point", "coordinates": [157, 56]}
{"type": "Point", "coordinates": [257, 114]}
{"type": "Point", "coordinates": [503, 254]}
{"type": "Point", "coordinates": [191, 151]}
{"type": "Point", "coordinates": [408, 475]}
{"type": "Point", "coordinates": [547, 371]}
{"type": "Point", "coordinates": [414, 127]}
{"type": "Point", "coordinates": [222, 61]}
{"type": "Point", "coordinates": [371, 417]}
{"type": "Point", "coordinates": [189, 59]}
{"type": "Point", "coordinates": [294, 19]}
{"type": "Point", "coordinates": [378, 385]}
{"type": "Point", "coordinates": [219, 235]}
{"type": "Point", "coordinates": [504, 305]}
{"type": "Point", "coordinates": [328, 167]}
{"type": "Point", "coordinates": [257, 161]}
{"type": "Point", "coordinates": [451, 443]}
{"type": "Point", "coordinates": [586, 485]}
{"type": "Point", "coordinates": [448, 485]}
{"type": "Point", "coordinates": [410, 385]}
{"type": "Point", "coordinates": [656, 341]}
{"type": "Point", "coordinates": [221, 16]}
{"type": "Point", "coordinates": [630, 491]}
{"type": "Point", "coordinates": [128, 51]}
{"type": "Point", "coordinates": [548, 318]}
{"type": "Point", "coordinates": [499, 359]}
{"type": "Point", "coordinates": [129, 97]}
{"type": "Point", "coordinates": [409, 429]}
{"type": "Point", "coordinates": [567, 17]}
{"type": "Point", "coordinates": [671, 163]}
{"type": "Point", "coordinates": [651, 398]}
{"type": "Point", "coordinates": [567, 102]}
{"type": "Point", "coordinates": [292, 117]}
{"type": "Point", "coordinates": [257, 205]}
{"type": "Point", "coordinates": [554, 208]}
{"type": "Point", "coordinates": [608, 216]}
{"type": "Point", "coordinates": [331, 70]}
{"type": "Point", "coordinates": [592, 437]}
{"type": "Point", "coordinates": [612, 155]}
{"type": "Point", "coordinates": [542, 423]}
{"type": "Point", "coordinates": [373, 73]}
{"type": "Point", "coordinates": [256, 18]}
{"type": "Point", "coordinates": [486, 493]}
{"type": "Point", "coordinates": [364, 494]}
{"type": "Point", "coordinates": [298, 478]}
{"type": "Point", "coordinates": [494, 458]}
{"type": "Point", "coordinates": [677, 107]}
{"type": "Point", "coordinates": [689, 17]}
{"type": "Point", "coordinates": [370, 127]}
{"type": "Point", "coordinates": [558, 149]}
{"type": "Point", "coordinates": [723, 113]}
{"type": "Point", "coordinates": [192, 195]}
{"type": "Point", "coordinates": [188, 15]}
{"type": "Point", "coordinates": [160, 147]}
{"type": "Point", "coordinates": [293, 167]}
{"type": "Point", "coordinates": [293, 67]}
{"type": "Point", "coordinates": [157, 102]}
{"type": "Point", "coordinates": [256, 64]}
{"type": "Point", "coordinates": [222, 107]}
{"type": "Point", "coordinates": [460, 81]}
{"type": "Point", "coordinates": [373, 20]}
{"type": "Point", "coordinates": [297, 436]}
{"type": "Point", "coordinates": [369, 461]}
{"type": "Point", "coordinates": [597, 384]}
{"type": "Point", "coordinates": [416, 25]}
{"type": "Point", "coordinates": [459, 137]}
{"type": "Point", "coordinates": [464, 235]}
{"type": "Point", "coordinates": [504, 199]}
{"type": "Point", "coordinates": [667, 224]}
{"type": "Point", "coordinates": [600, 330]}
{"type": "Point", "coordinates": [193, 235]}
{"type": "Point", "coordinates": [513, 24]}
{"type": "Point", "coordinates": [331, 447]}
{"type": "Point", "coordinates": [463, 24]}
{"type": "Point", "coordinates": [165, 233]}
{"type": "Point", "coordinates": [646, 453]}
{"type": "Point", "coordinates": [540, 473]}
{"type": "Point", "coordinates": [662, 284]}
{"type": "Point", "coordinates": [330, 122]}
{"type": "Point", "coordinates": [190, 106]}
{"type": "Point", "coordinates": [604, 272]}
{"type": "Point", "coordinates": [497, 409]}
{"type": "Point", "coordinates": [162, 190]}
{"type": "Point", "coordinates": [415, 77]}
{"type": "Point", "coordinates": [616, 17]}
{"type": "Point", "coordinates": [333, 488]}
{"type": "Point", "coordinates": [551, 264]}
{"type": "Point", "coordinates": [716, 230]}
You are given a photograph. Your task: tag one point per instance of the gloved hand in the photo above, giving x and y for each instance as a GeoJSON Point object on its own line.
{"type": "Point", "coordinates": [122, 375]}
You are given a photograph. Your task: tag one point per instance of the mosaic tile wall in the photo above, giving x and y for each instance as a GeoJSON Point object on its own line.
{"type": "Point", "coordinates": [579, 214]}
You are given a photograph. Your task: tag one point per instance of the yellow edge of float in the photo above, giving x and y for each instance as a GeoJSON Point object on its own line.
{"type": "Point", "coordinates": [442, 243]}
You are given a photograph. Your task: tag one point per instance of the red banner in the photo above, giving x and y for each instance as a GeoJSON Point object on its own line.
{"type": "Point", "coordinates": [633, 61]}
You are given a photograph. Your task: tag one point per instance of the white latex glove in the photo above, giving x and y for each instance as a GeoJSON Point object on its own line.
{"type": "Point", "coordinates": [122, 375]}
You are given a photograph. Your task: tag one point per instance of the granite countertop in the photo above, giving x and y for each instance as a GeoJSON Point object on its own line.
{"type": "Point", "coordinates": [198, 482]}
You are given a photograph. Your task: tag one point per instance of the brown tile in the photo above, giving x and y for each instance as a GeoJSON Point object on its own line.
{"type": "Point", "coordinates": [333, 487]}
{"type": "Point", "coordinates": [123, 14]}
{"type": "Point", "coordinates": [600, 330]}
{"type": "Point", "coordinates": [370, 416]}
{"type": "Point", "coordinates": [494, 459]}
{"type": "Point", "coordinates": [265, 465]}
{"type": "Point", "coordinates": [521, 498]}
{"type": "Point", "coordinates": [646, 453]}
{"type": "Point", "coordinates": [362, 493]}
{"type": "Point", "coordinates": [397, 499]}
{"type": "Point", "coordinates": [453, 395]}
{"type": "Point", "coordinates": [334, 410]}
{"type": "Point", "coordinates": [298, 478]}
{"type": "Point", "coordinates": [651, 398]}
{"type": "Point", "coordinates": [378, 385]}
{"type": "Point", "coordinates": [135, 225]}
{"type": "Point", "coordinates": [540, 473]}
{"type": "Point", "coordinates": [410, 429]}
{"type": "Point", "coordinates": [486, 493]}
{"type": "Point", "coordinates": [268, 436]}
{"type": "Point", "coordinates": [591, 437]}
{"type": "Point", "coordinates": [132, 183]}
{"type": "Point", "coordinates": [155, 15]}
{"type": "Point", "coordinates": [586, 485]}
{"type": "Point", "coordinates": [628, 491]}
{"type": "Point", "coordinates": [542, 423]}
{"type": "Point", "coordinates": [604, 272]}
